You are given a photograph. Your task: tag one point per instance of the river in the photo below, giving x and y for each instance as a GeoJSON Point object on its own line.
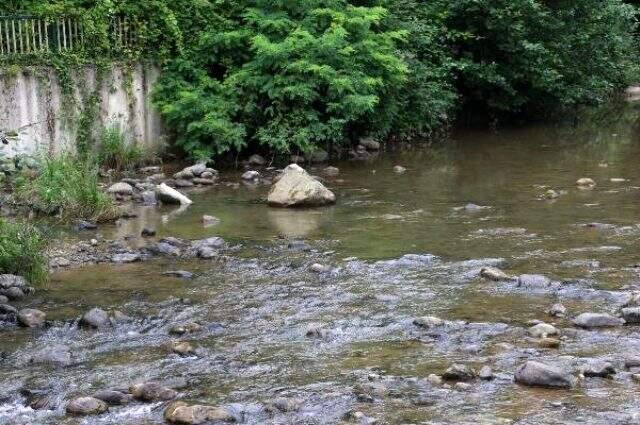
{"type": "Point", "coordinates": [341, 346]}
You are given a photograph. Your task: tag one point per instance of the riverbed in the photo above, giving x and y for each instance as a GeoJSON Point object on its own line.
{"type": "Point", "coordinates": [283, 342]}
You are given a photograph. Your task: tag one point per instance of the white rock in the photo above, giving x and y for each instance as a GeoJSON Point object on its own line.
{"type": "Point", "coordinates": [121, 188]}
{"type": "Point", "coordinates": [169, 195]}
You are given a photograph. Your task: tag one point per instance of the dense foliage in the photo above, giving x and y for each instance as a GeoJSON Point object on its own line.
{"type": "Point", "coordinates": [293, 75]}
{"type": "Point", "coordinates": [21, 251]}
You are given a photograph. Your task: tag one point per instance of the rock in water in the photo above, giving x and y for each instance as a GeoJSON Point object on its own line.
{"type": "Point", "coordinates": [121, 188]}
{"type": "Point", "coordinates": [536, 374]}
{"type": "Point", "coordinates": [296, 188]}
{"type": "Point", "coordinates": [95, 318]}
{"type": "Point", "coordinates": [169, 195]}
{"type": "Point", "coordinates": [86, 406]}
{"type": "Point", "coordinates": [152, 391]}
{"type": "Point", "coordinates": [492, 273]}
{"type": "Point", "coordinates": [31, 318]}
{"type": "Point", "coordinates": [180, 412]}
{"type": "Point", "coordinates": [459, 372]}
{"type": "Point", "coordinates": [631, 315]}
{"type": "Point", "coordinates": [597, 320]}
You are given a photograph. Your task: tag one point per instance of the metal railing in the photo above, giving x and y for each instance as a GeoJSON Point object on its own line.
{"type": "Point", "coordinates": [24, 35]}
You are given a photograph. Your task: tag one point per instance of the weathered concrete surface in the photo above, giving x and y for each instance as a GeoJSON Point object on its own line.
{"type": "Point", "coordinates": [32, 104]}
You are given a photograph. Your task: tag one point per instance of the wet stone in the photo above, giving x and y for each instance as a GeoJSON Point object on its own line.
{"type": "Point", "coordinates": [543, 330]}
{"type": "Point", "coordinates": [428, 321]}
{"type": "Point", "coordinates": [113, 398]}
{"type": "Point", "coordinates": [533, 281]}
{"type": "Point", "coordinates": [31, 318]}
{"type": "Point", "coordinates": [95, 318]}
{"type": "Point", "coordinates": [86, 406]}
{"type": "Point", "coordinates": [187, 328]}
{"type": "Point", "coordinates": [3, 300]}
{"type": "Point", "coordinates": [459, 372]}
{"type": "Point", "coordinates": [537, 374]}
{"type": "Point", "coordinates": [598, 368]}
{"type": "Point", "coordinates": [319, 268]}
{"type": "Point", "coordinates": [152, 391]}
{"type": "Point", "coordinates": [631, 315]}
{"type": "Point", "coordinates": [180, 412]}
{"type": "Point", "coordinates": [10, 280]}
{"type": "Point", "coordinates": [596, 320]}
{"type": "Point", "coordinates": [549, 343]}
{"type": "Point", "coordinates": [80, 225]}
{"type": "Point", "coordinates": [486, 374]}
{"type": "Point", "coordinates": [495, 274]}
{"type": "Point", "coordinates": [126, 258]}
{"type": "Point", "coordinates": [557, 310]}
{"type": "Point", "coordinates": [14, 293]}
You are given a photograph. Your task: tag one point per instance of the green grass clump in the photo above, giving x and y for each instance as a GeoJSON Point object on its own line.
{"type": "Point", "coordinates": [22, 248]}
{"type": "Point", "coordinates": [114, 152]}
{"type": "Point", "coordinates": [69, 188]}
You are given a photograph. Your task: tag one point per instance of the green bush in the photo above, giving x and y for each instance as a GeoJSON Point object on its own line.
{"type": "Point", "coordinates": [289, 76]}
{"type": "Point", "coordinates": [22, 251]}
{"type": "Point", "coordinates": [69, 188]}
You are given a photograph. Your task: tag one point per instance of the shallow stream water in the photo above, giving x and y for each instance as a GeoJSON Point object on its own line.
{"type": "Point", "coordinates": [399, 246]}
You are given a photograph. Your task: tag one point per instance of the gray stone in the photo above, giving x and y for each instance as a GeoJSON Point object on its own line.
{"type": "Point", "coordinates": [14, 293]}
{"type": "Point", "coordinates": [113, 398]}
{"type": "Point", "coordinates": [81, 225]}
{"type": "Point", "coordinates": [121, 188]}
{"type": "Point", "coordinates": [495, 274]}
{"type": "Point", "coordinates": [596, 320]}
{"type": "Point", "coordinates": [197, 169]}
{"type": "Point", "coordinates": [542, 330]}
{"type": "Point", "coordinates": [296, 188]}
{"type": "Point", "coordinates": [180, 412]}
{"type": "Point", "coordinates": [557, 310]}
{"type": "Point", "coordinates": [204, 181]}
{"type": "Point", "coordinates": [598, 369]}
{"type": "Point", "coordinates": [428, 322]}
{"type": "Point", "coordinates": [3, 300]}
{"type": "Point", "coordinates": [10, 280]}
{"type": "Point", "coordinates": [8, 309]}
{"type": "Point", "coordinates": [213, 242]}
{"type": "Point", "coordinates": [183, 183]}
{"type": "Point", "coordinates": [95, 318]}
{"type": "Point", "coordinates": [206, 253]}
{"type": "Point", "coordinates": [86, 406]}
{"type": "Point", "coordinates": [533, 281]}
{"type": "Point", "coordinates": [459, 372]}
{"type": "Point", "coordinates": [486, 374]}
{"type": "Point", "coordinates": [370, 143]}
{"type": "Point", "coordinates": [631, 315]}
{"type": "Point", "coordinates": [165, 248]}
{"type": "Point", "coordinates": [152, 391]}
{"type": "Point", "coordinates": [319, 268]}
{"type": "Point", "coordinates": [125, 258]}
{"type": "Point", "coordinates": [31, 318]}
{"type": "Point", "coordinates": [251, 176]}
{"type": "Point", "coordinates": [537, 374]}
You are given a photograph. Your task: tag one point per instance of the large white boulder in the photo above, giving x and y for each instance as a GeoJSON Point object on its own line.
{"type": "Point", "coordinates": [296, 188]}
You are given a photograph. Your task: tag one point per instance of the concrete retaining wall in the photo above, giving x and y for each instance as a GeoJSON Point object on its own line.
{"type": "Point", "coordinates": [32, 104]}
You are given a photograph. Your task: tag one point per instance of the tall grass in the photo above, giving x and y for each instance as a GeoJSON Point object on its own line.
{"type": "Point", "coordinates": [69, 188]}
{"type": "Point", "coordinates": [114, 152]}
{"type": "Point", "coordinates": [22, 251]}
